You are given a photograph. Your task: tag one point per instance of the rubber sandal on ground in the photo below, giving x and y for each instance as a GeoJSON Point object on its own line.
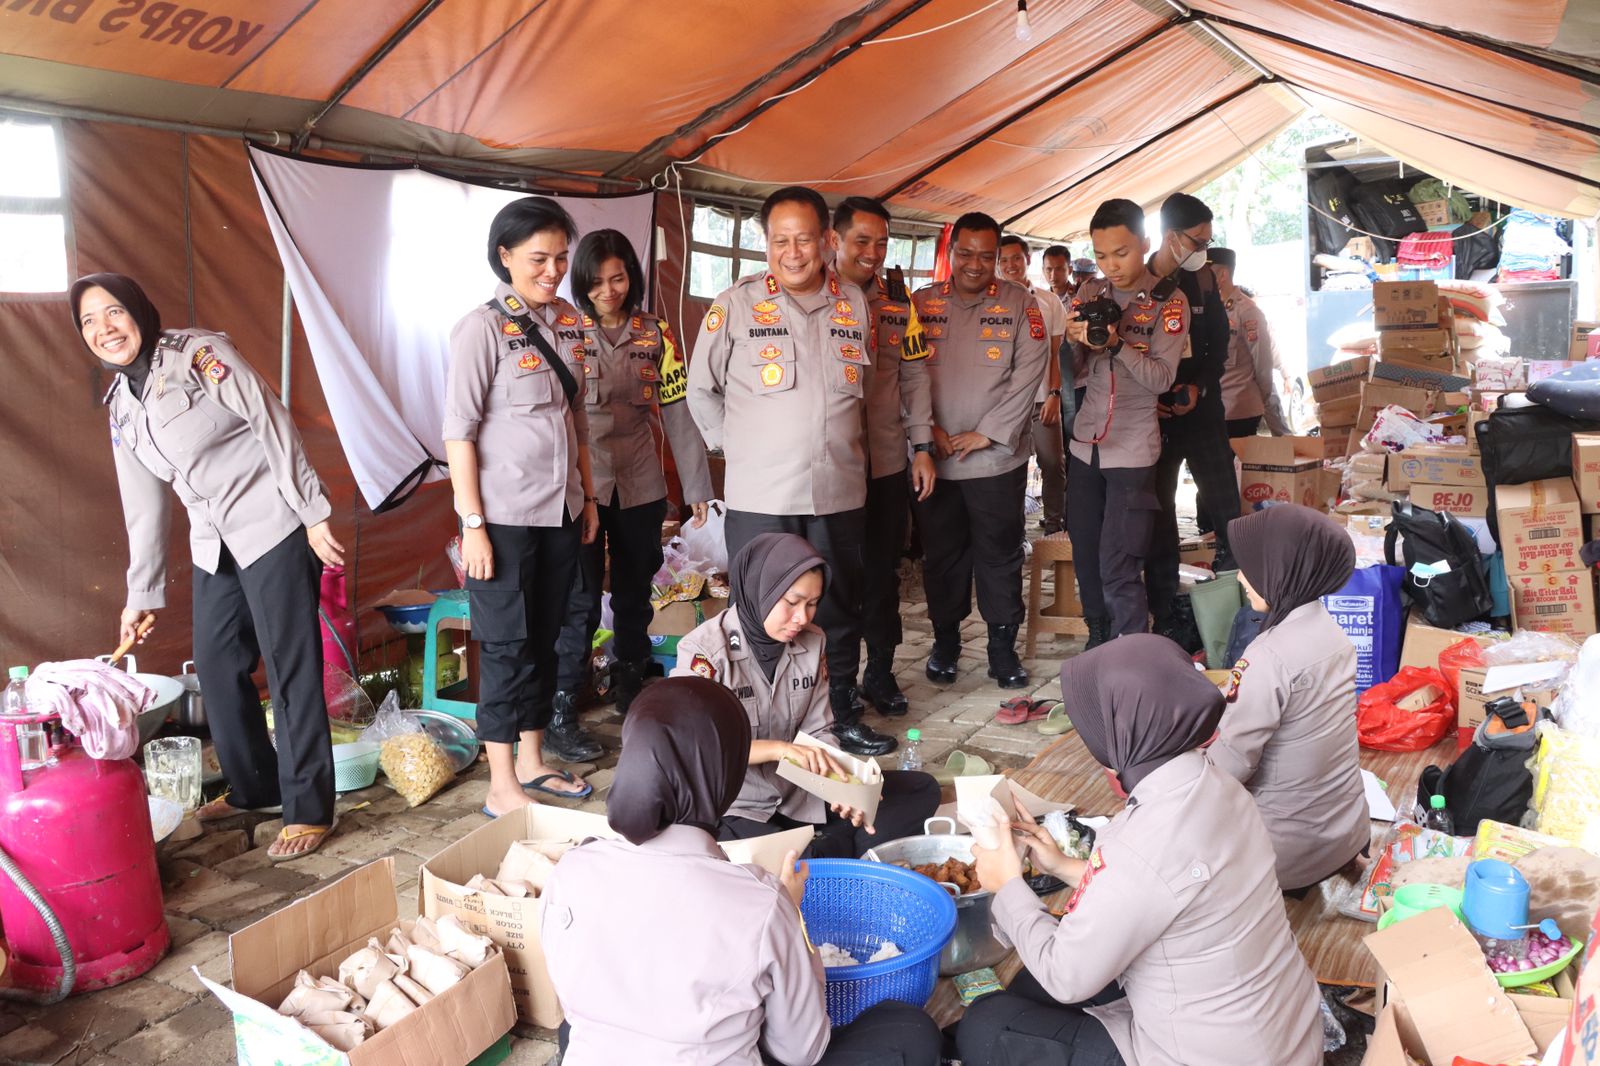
{"type": "Point", "coordinates": [1056, 722]}
{"type": "Point", "coordinates": [227, 810]}
{"type": "Point", "coordinates": [538, 785]}
{"type": "Point", "coordinates": [320, 832]}
{"type": "Point", "coordinates": [960, 764]}
{"type": "Point", "coordinates": [1040, 709]}
{"type": "Point", "coordinates": [1013, 711]}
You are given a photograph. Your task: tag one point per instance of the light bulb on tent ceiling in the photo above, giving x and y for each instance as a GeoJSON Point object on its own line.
{"type": "Point", "coordinates": [1024, 31]}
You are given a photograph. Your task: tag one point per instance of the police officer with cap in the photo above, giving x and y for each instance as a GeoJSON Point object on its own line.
{"type": "Point", "coordinates": [989, 345]}
{"type": "Point", "coordinates": [1127, 344]}
{"type": "Point", "coordinates": [778, 385]}
{"type": "Point", "coordinates": [899, 412]}
{"type": "Point", "coordinates": [1193, 427]}
{"type": "Point", "coordinates": [1249, 393]}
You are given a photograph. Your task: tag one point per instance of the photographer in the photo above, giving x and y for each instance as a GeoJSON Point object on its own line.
{"type": "Point", "coordinates": [1128, 346]}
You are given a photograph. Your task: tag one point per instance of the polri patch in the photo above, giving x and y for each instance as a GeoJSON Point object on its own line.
{"type": "Point", "coordinates": [1095, 865]}
{"type": "Point", "coordinates": [206, 361]}
{"type": "Point", "coordinates": [529, 361]}
{"type": "Point", "coordinates": [714, 318]}
{"type": "Point", "coordinates": [1234, 679]}
{"type": "Point", "coordinates": [1035, 324]}
{"type": "Point", "coordinates": [702, 666]}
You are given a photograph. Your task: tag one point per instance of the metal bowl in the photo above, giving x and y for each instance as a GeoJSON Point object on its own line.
{"type": "Point", "coordinates": [974, 944]}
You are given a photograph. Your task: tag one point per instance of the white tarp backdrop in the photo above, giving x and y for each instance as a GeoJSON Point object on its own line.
{"type": "Point", "coordinates": [383, 262]}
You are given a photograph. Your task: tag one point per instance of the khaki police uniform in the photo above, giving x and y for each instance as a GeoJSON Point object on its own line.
{"type": "Point", "coordinates": [988, 357]}
{"type": "Point", "coordinates": [206, 424]}
{"type": "Point", "coordinates": [1289, 736]}
{"type": "Point", "coordinates": [1049, 443]}
{"type": "Point", "coordinates": [637, 387]}
{"type": "Point", "coordinates": [1180, 905]}
{"type": "Point", "coordinates": [1112, 507]}
{"type": "Point", "coordinates": [1249, 390]}
{"type": "Point", "coordinates": [795, 701]}
{"type": "Point", "coordinates": [899, 412]}
{"type": "Point", "coordinates": [778, 384]}
{"type": "Point", "coordinates": [504, 395]}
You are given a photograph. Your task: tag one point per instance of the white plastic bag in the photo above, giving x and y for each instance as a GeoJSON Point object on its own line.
{"type": "Point", "coordinates": [1395, 429]}
{"type": "Point", "coordinates": [706, 549]}
{"type": "Point", "coordinates": [1577, 708]}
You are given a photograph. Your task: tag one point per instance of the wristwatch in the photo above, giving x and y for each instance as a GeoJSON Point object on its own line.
{"type": "Point", "coordinates": [922, 447]}
{"type": "Point", "coordinates": [1056, 393]}
{"type": "Point", "coordinates": [472, 521]}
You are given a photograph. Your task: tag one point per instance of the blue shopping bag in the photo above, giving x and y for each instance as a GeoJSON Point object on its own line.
{"type": "Point", "coordinates": [1371, 611]}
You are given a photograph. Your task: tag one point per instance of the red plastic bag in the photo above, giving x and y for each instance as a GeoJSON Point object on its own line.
{"type": "Point", "coordinates": [1463, 655]}
{"type": "Point", "coordinates": [1402, 715]}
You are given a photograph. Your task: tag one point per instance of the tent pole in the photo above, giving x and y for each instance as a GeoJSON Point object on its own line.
{"type": "Point", "coordinates": [286, 349]}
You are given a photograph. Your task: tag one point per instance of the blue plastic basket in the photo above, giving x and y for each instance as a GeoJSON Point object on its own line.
{"type": "Point", "coordinates": [858, 905]}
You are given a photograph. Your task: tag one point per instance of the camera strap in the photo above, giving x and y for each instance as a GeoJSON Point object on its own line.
{"type": "Point", "coordinates": [525, 323]}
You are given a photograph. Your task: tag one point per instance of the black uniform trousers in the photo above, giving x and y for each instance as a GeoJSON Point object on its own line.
{"type": "Point", "coordinates": [632, 536]}
{"type": "Point", "coordinates": [909, 799]}
{"type": "Point", "coordinates": [242, 615]}
{"type": "Point", "coordinates": [888, 514]}
{"type": "Point", "coordinates": [840, 539]}
{"type": "Point", "coordinates": [1243, 427]}
{"type": "Point", "coordinates": [1200, 438]}
{"type": "Point", "coordinates": [972, 530]}
{"type": "Point", "coordinates": [1111, 517]}
{"type": "Point", "coordinates": [1024, 1026]}
{"type": "Point", "coordinates": [516, 618]}
{"type": "Point", "coordinates": [889, 1033]}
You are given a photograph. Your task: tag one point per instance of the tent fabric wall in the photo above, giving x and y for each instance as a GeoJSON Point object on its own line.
{"type": "Point", "coordinates": [181, 216]}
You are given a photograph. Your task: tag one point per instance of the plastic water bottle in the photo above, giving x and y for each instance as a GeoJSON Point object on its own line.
{"type": "Point", "coordinates": [1438, 817]}
{"type": "Point", "coordinates": [31, 742]}
{"type": "Point", "coordinates": [911, 750]}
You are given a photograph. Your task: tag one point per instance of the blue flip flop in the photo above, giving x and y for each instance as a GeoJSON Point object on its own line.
{"type": "Point", "coordinates": [537, 785]}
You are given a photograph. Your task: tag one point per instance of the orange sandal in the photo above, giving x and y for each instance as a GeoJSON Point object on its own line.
{"type": "Point", "coordinates": [321, 832]}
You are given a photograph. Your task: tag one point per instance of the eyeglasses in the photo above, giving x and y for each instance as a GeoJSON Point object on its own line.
{"type": "Point", "coordinates": [1200, 243]}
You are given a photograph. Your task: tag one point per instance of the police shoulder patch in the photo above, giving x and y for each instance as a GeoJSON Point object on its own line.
{"type": "Point", "coordinates": [1235, 676]}
{"type": "Point", "coordinates": [1095, 864]}
{"type": "Point", "coordinates": [702, 666]}
{"type": "Point", "coordinates": [714, 317]}
{"type": "Point", "coordinates": [206, 361]}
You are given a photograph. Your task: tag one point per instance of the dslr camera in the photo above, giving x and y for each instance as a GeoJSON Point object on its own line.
{"type": "Point", "coordinates": [1101, 314]}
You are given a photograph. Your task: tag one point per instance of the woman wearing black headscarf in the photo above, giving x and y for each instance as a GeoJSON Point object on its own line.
{"type": "Point", "coordinates": [1290, 732]}
{"type": "Point", "coordinates": [661, 950]}
{"type": "Point", "coordinates": [1178, 903]}
{"type": "Point", "coordinates": [765, 649]}
{"type": "Point", "coordinates": [188, 411]}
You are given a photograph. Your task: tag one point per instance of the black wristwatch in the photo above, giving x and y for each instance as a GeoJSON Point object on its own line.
{"type": "Point", "coordinates": [922, 447]}
{"type": "Point", "coordinates": [1055, 392]}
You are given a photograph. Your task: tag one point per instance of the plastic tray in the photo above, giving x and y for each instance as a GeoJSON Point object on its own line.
{"type": "Point", "coordinates": [1543, 973]}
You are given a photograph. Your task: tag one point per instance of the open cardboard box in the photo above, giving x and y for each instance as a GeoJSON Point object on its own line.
{"type": "Point", "coordinates": [319, 932]}
{"type": "Point", "coordinates": [513, 922]}
{"type": "Point", "coordinates": [1440, 997]}
{"type": "Point", "coordinates": [863, 793]}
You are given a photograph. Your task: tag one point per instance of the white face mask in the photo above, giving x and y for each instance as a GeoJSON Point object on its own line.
{"type": "Point", "coordinates": [1195, 261]}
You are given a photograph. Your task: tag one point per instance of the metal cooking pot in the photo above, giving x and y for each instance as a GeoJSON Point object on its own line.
{"type": "Point", "coordinates": [192, 706]}
{"type": "Point", "coordinates": [974, 945]}
{"type": "Point", "coordinates": [168, 692]}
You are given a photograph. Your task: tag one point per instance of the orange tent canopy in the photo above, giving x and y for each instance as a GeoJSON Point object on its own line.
{"type": "Point", "coordinates": [877, 96]}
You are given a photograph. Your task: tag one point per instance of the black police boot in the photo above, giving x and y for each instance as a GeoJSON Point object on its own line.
{"type": "Point", "coordinates": [878, 684]}
{"type": "Point", "coordinates": [564, 737]}
{"type": "Point", "coordinates": [854, 735]}
{"type": "Point", "coordinates": [1004, 666]}
{"type": "Point", "coordinates": [1099, 631]}
{"type": "Point", "coordinates": [946, 653]}
{"type": "Point", "coordinates": [626, 681]}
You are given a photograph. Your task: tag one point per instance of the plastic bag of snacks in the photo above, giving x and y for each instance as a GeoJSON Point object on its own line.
{"type": "Point", "coordinates": [414, 763]}
{"type": "Point", "coordinates": [1566, 786]}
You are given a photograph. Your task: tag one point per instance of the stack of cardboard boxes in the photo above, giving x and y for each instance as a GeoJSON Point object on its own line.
{"type": "Point", "coordinates": [1416, 336]}
{"type": "Point", "coordinates": [1441, 477]}
{"type": "Point", "coordinates": [1541, 531]}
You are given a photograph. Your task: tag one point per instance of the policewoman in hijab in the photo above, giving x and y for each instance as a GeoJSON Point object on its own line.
{"type": "Point", "coordinates": [635, 392]}
{"type": "Point", "coordinates": [1289, 734]}
{"type": "Point", "coordinates": [661, 950]}
{"type": "Point", "coordinates": [765, 649]}
{"type": "Point", "coordinates": [1178, 904]}
{"type": "Point", "coordinates": [516, 435]}
{"type": "Point", "coordinates": [188, 412]}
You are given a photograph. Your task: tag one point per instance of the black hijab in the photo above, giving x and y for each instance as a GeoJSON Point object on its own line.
{"type": "Point", "coordinates": [126, 292]}
{"type": "Point", "coordinates": [1291, 555]}
{"type": "Point", "coordinates": [685, 749]}
{"type": "Point", "coordinates": [763, 571]}
{"type": "Point", "coordinates": [1138, 703]}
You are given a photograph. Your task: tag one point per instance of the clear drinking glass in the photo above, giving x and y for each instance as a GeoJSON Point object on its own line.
{"type": "Point", "coordinates": [172, 770]}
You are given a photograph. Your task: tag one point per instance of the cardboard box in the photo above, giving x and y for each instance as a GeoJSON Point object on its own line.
{"type": "Point", "coordinates": [1586, 471]}
{"type": "Point", "coordinates": [319, 932]}
{"type": "Point", "coordinates": [1427, 349]}
{"type": "Point", "coordinates": [1418, 377]}
{"type": "Point", "coordinates": [1338, 379]}
{"type": "Point", "coordinates": [1198, 552]}
{"type": "Point", "coordinates": [1339, 412]}
{"type": "Point", "coordinates": [1280, 469]}
{"type": "Point", "coordinates": [1474, 416]}
{"type": "Point", "coordinates": [1444, 1000]}
{"type": "Point", "coordinates": [1405, 305]}
{"type": "Point", "coordinates": [1560, 602]}
{"type": "Point", "coordinates": [1336, 441]}
{"type": "Point", "coordinates": [1467, 501]}
{"type": "Point", "coordinates": [1471, 699]}
{"type": "Point", "coordinates": [1423, 643]}
{"type": "Point", "coordinates": [1541, 526]}
{"type": "Point", "coordinates": [681, 616]}
{"type": "Point", "coordinates": [1583, 1028]}
{"type": "Point", "coordinates": [1547, 1016]}
{"type": "Point", "coordinates": [1436, 464]}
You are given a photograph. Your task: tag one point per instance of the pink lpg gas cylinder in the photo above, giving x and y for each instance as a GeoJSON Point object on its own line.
{"type": "Point", "coordinates": [80, 833]}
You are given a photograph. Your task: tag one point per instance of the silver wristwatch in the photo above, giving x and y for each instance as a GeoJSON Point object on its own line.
{"type": "Point", "coordinates": [472, 521]}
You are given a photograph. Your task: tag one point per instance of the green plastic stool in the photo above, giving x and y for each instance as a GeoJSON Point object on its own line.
{"type": "Point", "coordinates": [447, 608]}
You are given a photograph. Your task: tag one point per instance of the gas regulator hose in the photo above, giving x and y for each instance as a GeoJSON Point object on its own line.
{"type": "Point", "coordinates": [69, 966]}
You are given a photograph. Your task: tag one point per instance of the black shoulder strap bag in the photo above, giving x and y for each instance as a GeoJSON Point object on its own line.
{"type": "Point", "coordinates": [569, 385]}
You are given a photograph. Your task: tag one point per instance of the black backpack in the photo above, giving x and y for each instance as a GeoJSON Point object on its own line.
{"type": "Point", "coordinates": [1459, 594]}
{"type": "Point", "coordinates": [1525, 442]}
{"type": "Point", "coordinates": [1491, 779]}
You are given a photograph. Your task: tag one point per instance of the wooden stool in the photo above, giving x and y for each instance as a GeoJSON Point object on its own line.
{"type": "Point", "coordinates": [1064, 614]}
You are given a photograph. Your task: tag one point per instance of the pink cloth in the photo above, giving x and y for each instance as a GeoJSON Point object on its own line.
{"type": "Point", "coordinates": [97, 703]}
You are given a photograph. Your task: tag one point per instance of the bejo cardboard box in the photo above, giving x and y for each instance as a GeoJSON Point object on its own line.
{"type": "Point", "coordinates": [1444, 1000]}
{"type": "Point", "coordinates": [1541, 526]}
{"type": "Point", "coordinates": [1405, 305]}
{"type": "Point", "coordinates": [1469, 501]}
{"type": "Point", "coordinates": [1586, 471]}
{"type": "Point", "coordinates": [319, 932]}
{"type": "Point", "coordinates": [1435, 464]}
{"type": "Point", "coordinates": [1279, 469]}
{"type": "Point", "coordinates": [1559, 602]}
